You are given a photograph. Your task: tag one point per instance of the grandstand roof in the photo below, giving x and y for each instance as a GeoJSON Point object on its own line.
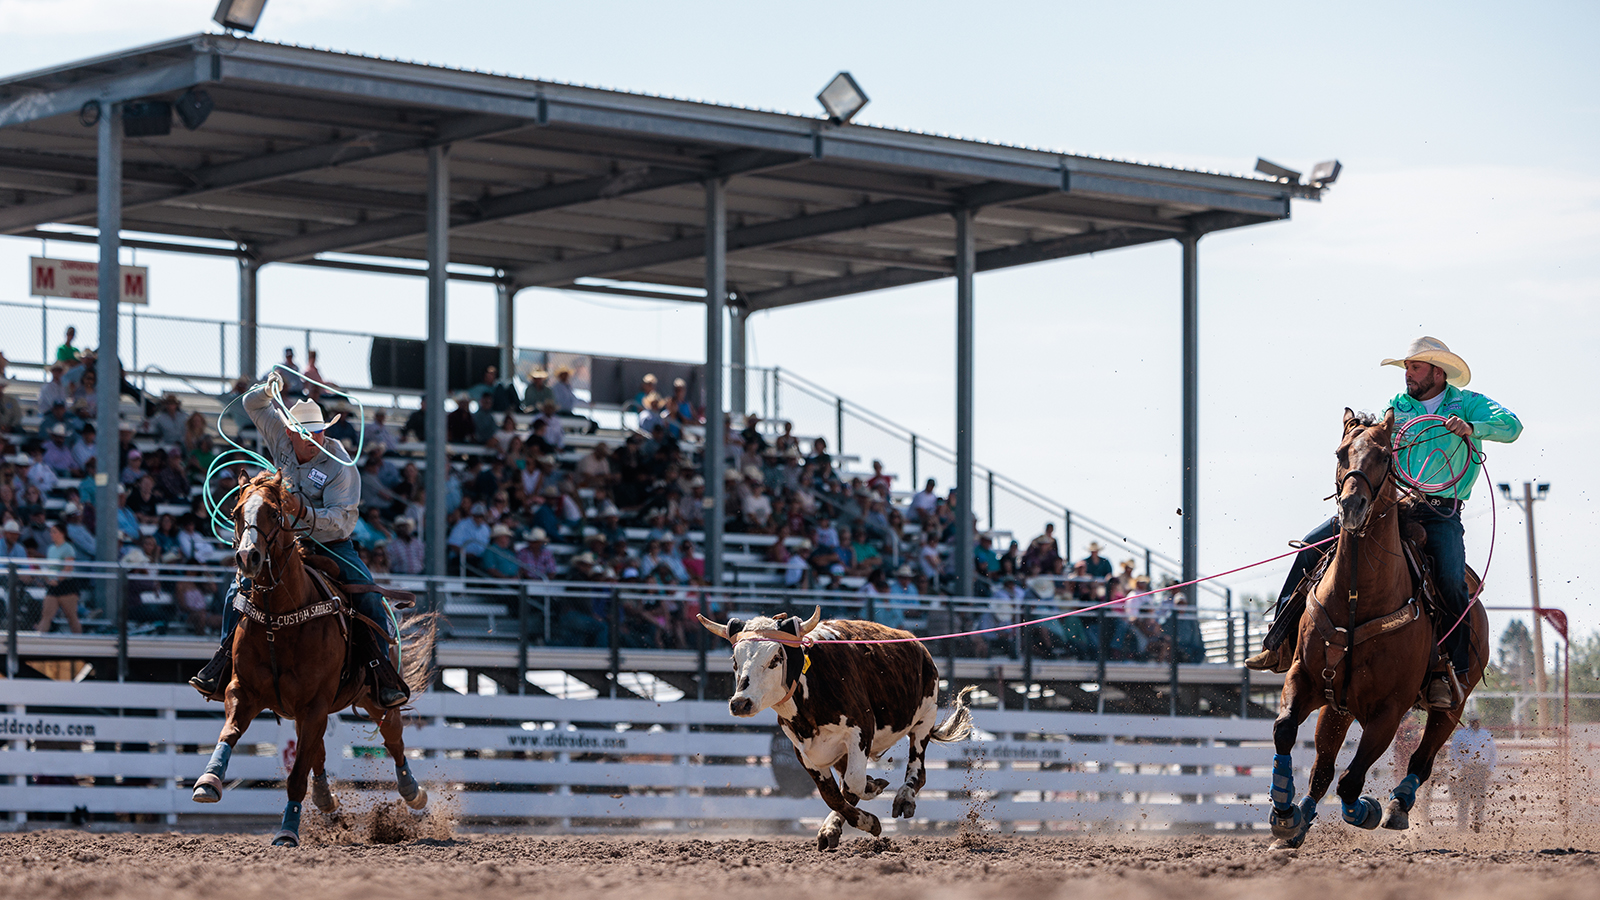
{"type": "Point", "coordinates": [310, 152]}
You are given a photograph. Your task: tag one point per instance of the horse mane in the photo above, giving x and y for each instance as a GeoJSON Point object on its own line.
{"type": "Point", "coordinates": [1367, 419]}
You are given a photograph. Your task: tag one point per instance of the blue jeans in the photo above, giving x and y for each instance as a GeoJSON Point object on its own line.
{"type": "Point", "coordinates": [351, 571]}
{"type": "Point", "coordinates": [1449, 552]}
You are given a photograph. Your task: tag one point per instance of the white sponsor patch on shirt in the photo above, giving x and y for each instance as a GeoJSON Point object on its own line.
{"type": "Point", "coordinates": [316, 477]}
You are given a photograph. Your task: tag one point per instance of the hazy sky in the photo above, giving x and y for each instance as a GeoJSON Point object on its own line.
{"type": "Point", "coordinates": [1469, 209]}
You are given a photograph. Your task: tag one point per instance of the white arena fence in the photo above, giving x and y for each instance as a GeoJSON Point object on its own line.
{"type": "Point", "coordinates": [131, 752]}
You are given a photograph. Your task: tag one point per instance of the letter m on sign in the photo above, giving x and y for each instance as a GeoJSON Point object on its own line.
{"type": "Point", "coordinates": [133, 287]}
{"type": "Point", "coordinates": [44, 278]}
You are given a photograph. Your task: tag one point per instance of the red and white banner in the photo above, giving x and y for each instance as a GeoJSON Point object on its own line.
{"type": "Point", "coordinates": [80, 280]}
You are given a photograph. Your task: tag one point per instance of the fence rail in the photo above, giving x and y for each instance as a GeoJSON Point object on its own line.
{"type": "Point", "coordinates": [618, 761]}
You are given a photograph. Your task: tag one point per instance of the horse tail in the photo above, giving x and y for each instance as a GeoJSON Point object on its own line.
{"type": "Point", "coordinates": [418, 634]}
{"type": "Point", "coordinates": [958, 725]}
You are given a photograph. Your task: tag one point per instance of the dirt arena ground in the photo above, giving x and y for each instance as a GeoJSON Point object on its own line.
{"type": "Point", "coordinates": [351, 863]}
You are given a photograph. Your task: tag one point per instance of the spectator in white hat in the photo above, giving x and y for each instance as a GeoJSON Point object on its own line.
{"type": "Point", "coordinates": [72, 522]}
{"type": "Point", "coordinates": [536, 559]}
{"type": "Point", "coordinates": [498, 558]}
{"type": "Point", "coordinates": [406, 551]}
{"type": "Point", "coordinates": [11, 540]}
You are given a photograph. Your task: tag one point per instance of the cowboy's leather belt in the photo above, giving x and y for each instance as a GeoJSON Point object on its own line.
{"type": "Point", "coordinates": [295, 617]}
{"type": "Point", "coordinates": [1446, 504]}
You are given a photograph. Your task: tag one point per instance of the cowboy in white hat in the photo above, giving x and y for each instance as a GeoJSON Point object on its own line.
{"type": "Point", "coordinates": [1435, 382]}
{"type": "Point", "coordinates": [324, 492]}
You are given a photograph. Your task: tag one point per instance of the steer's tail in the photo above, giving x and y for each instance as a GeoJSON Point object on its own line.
{"type": "Point", "coordinates": [958, 725]}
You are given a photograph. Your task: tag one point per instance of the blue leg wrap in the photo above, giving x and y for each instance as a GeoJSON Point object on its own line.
{"type": "Point", "coordinates": [291, 817]}
{"type": "Point", "coordinates": [218, 765]}
{"type": "Point", "coordinates": [1406, 791]}
{"type": "Point", "coordinates": [1353, 812]}
{"type": "Point", "coordinates": [1282, 781]}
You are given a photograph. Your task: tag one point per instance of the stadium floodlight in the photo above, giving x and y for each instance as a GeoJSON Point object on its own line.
{"type": "Point", "coordinates": [1505, 490]}
{"type": "Point", "coordinates": [239, 15]}
{"type": "Point", "coordinates": [842, 98]}
{"type": "Point", "coordinates": [1267, 167]}
{"type": "Point", "coordinates": [1325, 173]}
{"type": "Point", "coordinates": [1544, 490]}
{"type": "Point", "coordinates": [193, 106]}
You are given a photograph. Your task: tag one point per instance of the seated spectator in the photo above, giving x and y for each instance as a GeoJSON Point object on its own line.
{"type": "Point", "coordinates": [168, 423]}
{"type": "Point", "coordinates": [482, 393]}
{"type": "Point", "coordinates": [342, 426]}
{"type": "Point", "coordinates": [458, 425]}
{"type": "Point", "coordinates": [40, 474]}
{"type": "Point", "coordinates": [127, 522]}
{"type": "Point", "coordinates": [691, 508]}
{"type": "Point", "coordinates": [757, 508]}
{"type": "Point", "coordinates": [826, 534]}
{"type": "Point", "coordinates": [985, 562]}
{"type": "Point", "coordinates": [923, 502]}
{"type": "Point", "coordinates": [864, 557]}
{"type": "Point", "coordinates": [509, 434]}
{"type": "Point", "coordinates": [900, 591]}
{"type": "Point", "coordinates": [929, 559]}
{"type": "Point", "coordinates": [538, 390]}
{"type": "Point", "coordinates": [171, 484]}
{"type": "Point", "coordinates": [406, 552]}
{"type": "Point", "coordinates": [680, 411]}
{"type": "Point", "coordinates": [647, 392]}
{"type": "Point", "coordinates": [583, 619]}
{"type": "Point", "coordinates": [653, 414]}
{"type": "Point", "coordinates": [416, 425]}
{"type": "Point", "coordinates": [193, 545]}
{"type": "Point", "coordinates": [57, 452]}
{"type": "Point", "coordinates": [535, 560]}
{"type": "Point", "coordinates": [11, 540]}
{"type": "Point", "coordinates": [594, 469]}
{"type": "Point", "coordinates": [543, 510]}
{"type": "Point", "coordinates": [1096, 566]}
{"type": "Point", "coordinates": [58, 414]}
{"type": "Point", "coordinates": [53, 391]}
{"type": "Point", "coordinates": [371, 532]}
{"type": "Point", "coordinates": [10, 411]}
{"type": "Point", "coordinates": [292, 385]}
{"type": "Point", "coordinates": [752, 433]}
{"type": "Point", "coordinates": [875, 590]}
{"type": "Point", "coordinates": [376, 433]}
{"type": "Point", "coordinates": [470, 536]}
{"type": "Point", "coordinates": [82, 538]}
{"type": "Point", "coordinates": [499, 561]}
{"type": "Point", "coordinates": [166, 536]}
{"type": "Point", "coordinates": [133, 467]}
{"type": "Point", "coordinates": [820, 461]}
{"type": "Point", "coordinates": [82, 398]}
{"type": "Point", "coordinates": [566, 398]}
{"type": "Point", "coordinates": [797, 571]}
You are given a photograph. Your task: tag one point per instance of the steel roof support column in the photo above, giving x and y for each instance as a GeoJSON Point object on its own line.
{"type": "Point", "coordinates": [716, 298]}
{"type": "Point", "coordinates": [249, 331]}
{"type": "Point", "coordinates": [1191, 414]}
{"type": "Point", "coordinates": [108, 366]}
{"type": "Point", "coordinates": [738, 403]}
{"type": "Point", "coordinates": [437, 355]}
{"type": "Point", "coordinates": [966, 265]}
{"type": "Point", "coordinates": [505, 296]}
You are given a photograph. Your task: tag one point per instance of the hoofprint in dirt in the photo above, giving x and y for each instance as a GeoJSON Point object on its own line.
{"type": "Point", "coordinates": [47, 865]}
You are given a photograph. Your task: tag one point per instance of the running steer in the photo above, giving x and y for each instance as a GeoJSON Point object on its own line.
{"type": "Point", "coordinates": [842, 704]}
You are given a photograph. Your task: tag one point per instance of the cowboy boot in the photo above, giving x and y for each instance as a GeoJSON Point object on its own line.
{"type": "Point", "coordinates": [1266, 660]}
{"type": "Point", "coordinates": [1442, 691]}
{"type": "Point", "coordinates": [212, 681]}
{"type": "Point", "coordinates": [389, 689]}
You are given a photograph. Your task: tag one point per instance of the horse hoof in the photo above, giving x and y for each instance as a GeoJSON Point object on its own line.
{"type": "Point", "coordinates": [875, 786]}
{"type": "Point", "coordinates": [1395, 817]}
{"type": "Point", "coordinates": [1365, 813]}
{"type": "Point", "coordinates": [828, 839]}
{"type": "Point", "coordinates": [419, 801]}
{"type": "Point", "coordinates": [207, 789]}
{"type": "Point", "coordinates": [1287, 824]}
{"type": "Point", "coordinates": [1282, 844]}
{"type": "Point", "coordinates": [905, 807]}
{"type": "Point", "coordinates": [871, 825]}
{"type": "Point", "coordinates": [286, 838]}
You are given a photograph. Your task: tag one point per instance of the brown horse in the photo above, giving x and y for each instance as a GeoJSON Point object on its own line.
{"type": "Point", "coordinates": [291, 654]}
{"type": "Point", "coordinates": [1364, 651]}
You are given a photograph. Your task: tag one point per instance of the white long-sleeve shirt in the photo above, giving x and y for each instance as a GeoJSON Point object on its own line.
{"type": "Point", "coordinates": [1473, 746]}
{"type": "Point", "coordinates": [330, 491]}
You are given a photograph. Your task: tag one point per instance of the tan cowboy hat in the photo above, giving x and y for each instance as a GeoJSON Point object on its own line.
{"type": "Point", "coordinates": [500, 531]}
{"type": "Point", "coordinates": [1432, 350]}
{"type": "Point", "coordinates": [308, 415]}
{"type": "Point", "coordinates": [538, 373]}
{"type": "Point", "coordinates": [1094, 547]}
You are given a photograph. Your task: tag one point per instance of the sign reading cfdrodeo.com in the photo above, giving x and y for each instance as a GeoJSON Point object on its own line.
{"type": "Point", "coordinates": [30, 727]}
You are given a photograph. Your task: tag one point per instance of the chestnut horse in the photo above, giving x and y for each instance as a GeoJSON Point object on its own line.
{"type": "Point", "coordinates": [1365, 648]}
{"type": "Point", "coordinates": [291, 654]}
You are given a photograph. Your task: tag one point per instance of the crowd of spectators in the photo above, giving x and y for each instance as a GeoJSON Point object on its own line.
{"type": "Point", "coordinates": [535, 493]}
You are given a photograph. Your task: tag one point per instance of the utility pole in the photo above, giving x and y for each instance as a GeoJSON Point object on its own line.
{"type": "Point", "coordinates": [1539, 681]}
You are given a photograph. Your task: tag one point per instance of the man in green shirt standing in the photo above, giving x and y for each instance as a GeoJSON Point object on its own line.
{"type": "Point", "coordinates": [1435, 379]}
{"type": "Point", "coordinates": [66, 353]}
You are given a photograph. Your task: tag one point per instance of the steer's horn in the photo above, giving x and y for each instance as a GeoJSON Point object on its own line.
{"type": "Point", "coordinates": [807, 625]}
{"type": "Point", "coordinates": [715, 628]}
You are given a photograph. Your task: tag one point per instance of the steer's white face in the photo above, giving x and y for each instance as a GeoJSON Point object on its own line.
{"type": "Point", "coordinates": [758, 671]}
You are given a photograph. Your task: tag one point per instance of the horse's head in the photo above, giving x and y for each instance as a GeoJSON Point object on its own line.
{"type": "Point", "coordinates": [258, 520]}
{"type": "Point", "coordinates": [1364, 464]}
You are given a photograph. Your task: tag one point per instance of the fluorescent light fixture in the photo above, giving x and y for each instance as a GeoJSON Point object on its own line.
{"type": "Point", "coordinates": [1325, 173]}
{"type": "Point", "coordinates": [239, 15]}
{"type": "Point", "coordinates": [842, 98]}
{"type": "Point", "coordinates": [1267, 167]}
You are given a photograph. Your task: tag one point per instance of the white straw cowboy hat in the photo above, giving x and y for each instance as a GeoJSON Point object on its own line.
{"type": "Point", "coordinates": [1433, 351]}
{"type": "Point", "coordinates": [308, 415]}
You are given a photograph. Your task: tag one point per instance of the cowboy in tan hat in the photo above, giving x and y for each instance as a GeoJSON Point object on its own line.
{"type": "Point", "coordinates": [324, 497]}
{"type": "Point", "coordinates": [1435, 378]}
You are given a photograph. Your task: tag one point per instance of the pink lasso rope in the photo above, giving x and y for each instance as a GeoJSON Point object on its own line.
{"type": "Point", "coordinates": [1078, 612]}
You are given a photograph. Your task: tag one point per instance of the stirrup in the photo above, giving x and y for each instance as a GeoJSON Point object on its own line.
{"type": "Point", "coordinates": [1442, 691]}
{"type": "Point", "coordinates": [211, 681]}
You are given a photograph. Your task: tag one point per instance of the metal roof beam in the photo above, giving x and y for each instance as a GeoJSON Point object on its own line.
{"type": "Point", "coordinates": [998, 258]}
{"type": "Point", "coordinates": [259, 170]}
{"type": "Point", "coordinates": [35, 105]}
{"type": "Point", "coordinates": [767, 234]}
{"type": "Point", "coordinates": [508, 206]}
